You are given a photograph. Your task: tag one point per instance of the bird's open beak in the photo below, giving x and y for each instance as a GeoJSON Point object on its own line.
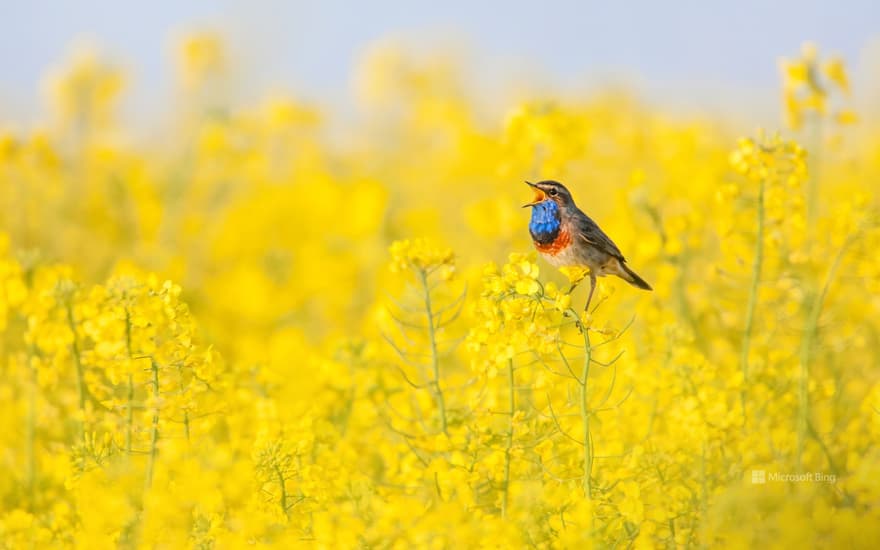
{"type": "Point", "coordinates": [540, 196]}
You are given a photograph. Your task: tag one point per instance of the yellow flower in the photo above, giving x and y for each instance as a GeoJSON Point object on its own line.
{"type": "Point", "coordinates": [201, 57]}
{"type": "Point", "coordinates": [795, 73]}
{"type": "Point", "coordinates": [806, 84]}
{"type": "Point", "coordinates": [846, 116]}
{"type": "Point", "coordinates": [835, 69]}
{"type": "Point", "coordinates": [87, 91]}
{"type": "Point", "coordinates": [421, 255]}
{"type": "Point", "coordinates": [632, 507]}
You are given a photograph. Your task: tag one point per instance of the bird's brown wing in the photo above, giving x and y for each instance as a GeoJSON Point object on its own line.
{"type": "Point", "coordinates": [590, 232]}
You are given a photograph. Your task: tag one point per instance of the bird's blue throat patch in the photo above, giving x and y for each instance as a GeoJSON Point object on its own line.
{"type": "Point", "coordinates": [545, 222]}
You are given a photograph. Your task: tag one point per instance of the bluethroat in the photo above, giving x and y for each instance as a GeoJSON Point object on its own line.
{"type": "Point", "coordinates": [566, 237]}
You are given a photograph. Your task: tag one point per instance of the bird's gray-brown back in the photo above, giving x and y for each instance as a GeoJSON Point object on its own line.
{"type": "Point", "coordinates": [590, 231]}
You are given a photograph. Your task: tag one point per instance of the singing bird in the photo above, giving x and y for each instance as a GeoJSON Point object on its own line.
{"type": "Point", "coordinates": [566, 237]}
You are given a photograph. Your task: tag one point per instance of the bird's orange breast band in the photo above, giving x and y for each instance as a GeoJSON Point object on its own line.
{"type": "Point", "coordinates": [560, 243]}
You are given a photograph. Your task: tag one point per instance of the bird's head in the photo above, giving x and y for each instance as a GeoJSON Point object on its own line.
{"type": "Point", "coordinates": [549, 190]}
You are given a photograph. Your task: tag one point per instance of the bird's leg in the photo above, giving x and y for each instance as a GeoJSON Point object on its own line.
{"type": "Point", "coordinates": [592, 289]}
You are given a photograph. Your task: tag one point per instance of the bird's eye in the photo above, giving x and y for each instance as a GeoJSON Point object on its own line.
{"type": "Point", "coordinates": [552, 192]}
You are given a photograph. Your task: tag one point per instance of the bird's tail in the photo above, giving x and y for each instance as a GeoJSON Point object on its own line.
{"type": "Point", "coordinates": [630, 276]}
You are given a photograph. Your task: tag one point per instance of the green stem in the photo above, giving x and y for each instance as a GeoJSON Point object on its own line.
{"type": "Point", "coordinates": [811, 328]}
{"type": "Point", "coordinates": [185, 411]}
{"type": "Point", "coordinates": [80, 376]}
{"type": "Point", "coordinates": [154, 431]}
{"type": "Point", "coordinates": [283, 489]}
{"type": "Point", "coordinates": [130, 419]}
{"type": "Point", "coordinates": [435, 356]}
{"type": "Point", "coordinates": [585, 416]}
{"type": "Point", "coordinates": [511, 400]}
{"type": "Point", "coordinates": [130, 415]}
{"type": "Point", "coordinates": [753, 299]}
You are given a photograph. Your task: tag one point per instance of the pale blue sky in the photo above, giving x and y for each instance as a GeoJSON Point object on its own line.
{"type": "Point", "coordinates": [699, 52]}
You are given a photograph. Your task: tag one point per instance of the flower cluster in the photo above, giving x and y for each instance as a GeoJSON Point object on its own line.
{"type": "Point", "coordinates": [515, 313]}
{"type": "Point", "coordinates": [422, 256]}
{"type": "Point", "coordinates": [769, 159]}
{"type": "Point", "coordinates": [808, 84]}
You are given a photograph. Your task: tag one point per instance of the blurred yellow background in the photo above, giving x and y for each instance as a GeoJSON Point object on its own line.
{"type": "Point", "coordinates": [254, 325]}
